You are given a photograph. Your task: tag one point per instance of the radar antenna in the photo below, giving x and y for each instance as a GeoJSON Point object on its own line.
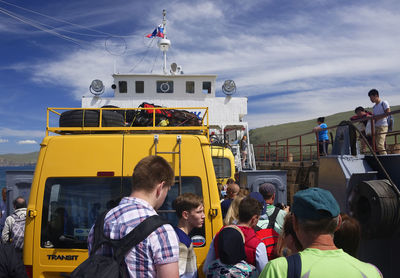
{"type": "Point", "coordinates": [229, 87]}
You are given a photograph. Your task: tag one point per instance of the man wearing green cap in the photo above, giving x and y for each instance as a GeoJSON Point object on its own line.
{"type": "Point", "coordinates": [316, 218]}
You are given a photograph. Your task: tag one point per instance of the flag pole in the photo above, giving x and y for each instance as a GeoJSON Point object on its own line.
{"type": "Point", "coordinates": [164, 23]}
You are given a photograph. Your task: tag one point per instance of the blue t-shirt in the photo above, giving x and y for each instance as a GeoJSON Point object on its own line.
{"type": "Point", "coordinates": [323, 134]}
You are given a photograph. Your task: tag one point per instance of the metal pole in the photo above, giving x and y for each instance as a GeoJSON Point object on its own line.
{"type": "Point", "coordinates": [276, 150]}
{"type": "Point", "coordinates": [316, 136]}
{"type": "Point", "coordinates": [269, 151]}
{"type": "Point", "coordinates": [301, 150]}
{"type": "Point", "coordinates": [373, 134]}
{"type": "Point", "coordinates": [287, 149]}
{"type": "Point", "coordinates": [265, 154]}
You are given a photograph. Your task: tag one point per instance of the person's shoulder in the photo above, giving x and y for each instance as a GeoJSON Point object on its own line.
{"type": "Point", "coordinates": [385, 103]}
{"type": "Point", "coordinates": [226, 202]}
{"type": "Point", "coordinates": [275, 268]}
{"type": "Point", "coordinates": [368, 269]}
{"type": "Point", "coordinates": [10, 218]}
{"type": "Point", "coordinates": [183, 237]}
{"type": "Point", "coordinates": [262, 223]}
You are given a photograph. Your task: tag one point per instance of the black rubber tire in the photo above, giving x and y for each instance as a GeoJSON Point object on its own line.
{"type": "Point", "coordinates": [90, 118]}
{"type": "Point", "coordinates": [376, 206]}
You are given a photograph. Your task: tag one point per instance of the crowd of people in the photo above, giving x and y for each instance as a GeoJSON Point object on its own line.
{"type": "Point", "coordinates": [379, 118]}
{"type": "Point", "coordinates": [258, 238]}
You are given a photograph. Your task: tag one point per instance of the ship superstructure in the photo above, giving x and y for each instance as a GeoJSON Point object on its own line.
{"type": "Point", "coordinates": [173, 88]}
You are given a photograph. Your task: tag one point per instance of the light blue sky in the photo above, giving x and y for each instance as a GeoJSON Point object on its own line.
{"type": "Point", "coordinates": [294, 60]}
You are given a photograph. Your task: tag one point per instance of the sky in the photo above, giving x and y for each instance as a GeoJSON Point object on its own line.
{"type": "Point", "coordinates": [293, 60]}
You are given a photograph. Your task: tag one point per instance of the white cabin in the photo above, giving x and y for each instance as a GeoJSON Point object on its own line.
{"type": "Point", "coordinates": [131, 90]}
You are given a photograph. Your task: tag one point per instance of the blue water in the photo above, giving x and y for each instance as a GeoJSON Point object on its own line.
{"type": "Point", "coordinates": [8, 168]}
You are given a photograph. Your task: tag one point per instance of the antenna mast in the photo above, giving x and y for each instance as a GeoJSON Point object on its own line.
{"type": "Point", "coordinates": [164, 43]}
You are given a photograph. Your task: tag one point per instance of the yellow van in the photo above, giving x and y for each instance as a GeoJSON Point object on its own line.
{"type": "Point", "coordinates": [224, 163]}
{"type": "Point", "coordinates": [83, 171]}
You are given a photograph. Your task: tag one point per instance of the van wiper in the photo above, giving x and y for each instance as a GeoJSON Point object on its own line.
{"type": "Point", "coordinates": [70, 239]}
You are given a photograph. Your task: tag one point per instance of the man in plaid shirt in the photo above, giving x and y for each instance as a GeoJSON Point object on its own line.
{"type": "Point", "coordinates": [158, 254]}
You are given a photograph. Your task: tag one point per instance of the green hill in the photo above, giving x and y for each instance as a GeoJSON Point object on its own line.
{"type": "Point", "coordinates": [18, 159]}
{"type": "Point", "coordinates": [263, 135]}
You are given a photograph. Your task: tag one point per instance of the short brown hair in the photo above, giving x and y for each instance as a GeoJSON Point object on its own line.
{"type": "Point", "coordinates": [230, 181]}
{"type": "Point", "coordinates": [186, 202]}
{"type": "Point", "coordinates": [151, 171]}
{"type": "Point", "coordinates": [249, 207]}
{"type": "Point", "coordinates": [319, 227]}
{"type": "Point", "coordinates": [348, 235]}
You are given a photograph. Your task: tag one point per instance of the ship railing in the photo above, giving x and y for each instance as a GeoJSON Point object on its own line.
{"type": "Point", "coordinates": [305, 147]}
{"type": "Point", "coordinates": [54, 114]}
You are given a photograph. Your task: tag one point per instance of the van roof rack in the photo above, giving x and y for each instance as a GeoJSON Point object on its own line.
{"type": "Point", "coordinates": [186, 120]}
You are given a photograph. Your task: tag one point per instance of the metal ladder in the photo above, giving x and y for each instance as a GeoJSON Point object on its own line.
{"type": "Point", "coordinates": [179, 153]}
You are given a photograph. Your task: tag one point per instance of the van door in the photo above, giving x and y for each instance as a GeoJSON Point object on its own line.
{"type": "Point", "coordinates": [80, 177]}
{"type": "Point", "coordinates": [197, 176]}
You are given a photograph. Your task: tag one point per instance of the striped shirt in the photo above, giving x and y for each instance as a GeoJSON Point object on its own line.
{"type": "Point", "coordinates": [160, 247]}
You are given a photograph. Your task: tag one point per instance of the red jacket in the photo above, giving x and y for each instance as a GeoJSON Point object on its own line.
{"type": "Point", "coordinates": [250, 244]}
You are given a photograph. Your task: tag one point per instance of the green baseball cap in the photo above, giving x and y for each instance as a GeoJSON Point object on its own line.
{"type": "Point", "coordinates": [314, 204]}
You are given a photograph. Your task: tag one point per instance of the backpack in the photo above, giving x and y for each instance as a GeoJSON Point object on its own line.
{"type": "Point", "coordinates": [390, 119]}
{"type": "Point", "coordinates": [102, 266]}
{"type": "Point", "coordinates": [18, 231]}
{"type": "Point", "coordinates": [269, 236]}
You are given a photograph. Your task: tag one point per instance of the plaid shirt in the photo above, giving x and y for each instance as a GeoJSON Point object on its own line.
{"type": "Point", "coordinates": [160, 247]}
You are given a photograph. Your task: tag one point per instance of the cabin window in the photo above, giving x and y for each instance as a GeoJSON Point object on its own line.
{"type": "Point", "coordinates": [123, 87]}
{"type": "Point", "coordinates": [190, 87]}
{"type": "Point", "coordinates": [222, 167]}
{"type": "Point", "coordinates": [165, 87]}
{"type": "Point", "coordinates": [139, 85]}
{"type": "Point", "coordinates": [207, 87]}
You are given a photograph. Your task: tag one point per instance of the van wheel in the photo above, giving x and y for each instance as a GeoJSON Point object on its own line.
{"type": "Point", "coordinates": [376, 206]}
{"type": "Point", "coordinates": [90, 118]}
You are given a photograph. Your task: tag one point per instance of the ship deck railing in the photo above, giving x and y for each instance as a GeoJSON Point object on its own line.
{"type": "Point", "coordinates": [305, 147]}
{"type": "Point", "coordinates": [54, 114]}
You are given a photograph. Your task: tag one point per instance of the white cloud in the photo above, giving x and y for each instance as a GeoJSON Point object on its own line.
{"type": "Point", "coordinates": [26, 142]}
{"type": "Point", "coordinates": [330, 57]}
{"type": "Point", "coordinates": [21, 133]}
{"type": "Point", "coordinates": [3, 140]}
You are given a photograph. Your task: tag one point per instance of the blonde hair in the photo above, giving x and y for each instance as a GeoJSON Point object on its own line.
{"type": "Point", "coordinates": [232, 215]}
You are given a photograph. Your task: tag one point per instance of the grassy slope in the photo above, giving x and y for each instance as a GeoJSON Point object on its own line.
{"type": "Point", "coordinates": [26, 158]}
{"type": "Point", "coordinates": [263, 135]}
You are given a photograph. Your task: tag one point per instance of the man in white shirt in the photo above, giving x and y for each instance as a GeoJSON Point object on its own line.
{"type": "Point", "coordinates": [381, 107]}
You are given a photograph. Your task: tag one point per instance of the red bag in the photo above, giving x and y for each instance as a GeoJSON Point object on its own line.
{"type": "Point", "coordinates": [269, 236]}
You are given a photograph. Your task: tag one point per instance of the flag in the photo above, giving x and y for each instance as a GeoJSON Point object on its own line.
{"type": "Point", "coordinates": [160, 31]}
{"type": "Point", "coordinates": [152, 34]}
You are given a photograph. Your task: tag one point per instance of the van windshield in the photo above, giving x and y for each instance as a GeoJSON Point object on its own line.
{"type": "Point", "coordinates": [71, 206]}
{"type": "Point", "coordinates": [222, 167]}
